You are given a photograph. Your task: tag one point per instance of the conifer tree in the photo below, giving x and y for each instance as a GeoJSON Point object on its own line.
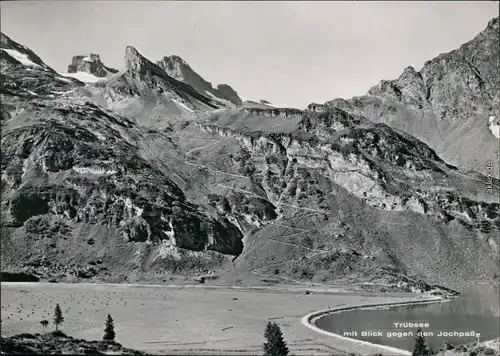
{"type": "Point", "coordinates": [275, 345]}
{"type": "Point", "coordinates": [420, 348]}
{"type": "Point", "coordinates": [58, 317]}
{"type": "Point", "coordinates": [109, 330]}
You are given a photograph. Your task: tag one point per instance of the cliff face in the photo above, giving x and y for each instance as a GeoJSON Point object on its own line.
{"type": "Point", "coordinates": [448, 104]}
{"type": "Point", "coordinates": [90, 64]}
{"type": "Point", "coordinates": [384, 168]}
{"type": "Point", "coordinates": [179, 69]}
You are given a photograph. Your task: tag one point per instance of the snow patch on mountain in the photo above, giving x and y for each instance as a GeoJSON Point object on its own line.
{"type": "Point", "coordinates": [220, 100]}
{"type": "Point", "coordinates": [66, 80]}
{"type": "Point", "coordinates": [96, 171]}
{"type": "Point", "coordinates": [182, 105]}
{"type": "Point", "coordinates": [21, 58]}
{"type": "Point", "coordinates": [83, 77]}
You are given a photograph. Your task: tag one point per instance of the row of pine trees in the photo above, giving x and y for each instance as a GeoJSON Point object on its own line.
{"type": "Point", "coordinates": [275, 344]}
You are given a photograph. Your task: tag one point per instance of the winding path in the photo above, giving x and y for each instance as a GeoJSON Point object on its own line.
{"type": "Point", "coordinates": [274, 239]}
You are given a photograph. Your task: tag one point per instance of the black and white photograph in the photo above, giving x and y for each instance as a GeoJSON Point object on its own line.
{"type": "Point", "coordinates": [243, 178]}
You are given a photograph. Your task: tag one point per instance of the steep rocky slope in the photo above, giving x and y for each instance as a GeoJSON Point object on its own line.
{"type": "Point", "coordinates": [179, 69]}
{"type": "Point", "coordinates": [141, 175]}
{"type": "Point", "coordinates": [447, 104]}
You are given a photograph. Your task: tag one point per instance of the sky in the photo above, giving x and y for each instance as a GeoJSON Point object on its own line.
{"type": "Point", "coordinates": [289, 53]}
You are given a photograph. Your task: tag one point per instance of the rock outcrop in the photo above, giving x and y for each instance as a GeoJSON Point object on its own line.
{"type": "Point", "coordinates": [60, 344]}
{"type": "Point", "coordinates": [91, 64]}
{"type": "Point", "coordinates": [285, 113]}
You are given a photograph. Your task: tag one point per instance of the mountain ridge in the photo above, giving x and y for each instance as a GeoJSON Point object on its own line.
{"type": "Point", "coordinates": [448, 104]}
{"type": "Point", "coordinates": [20, 54]}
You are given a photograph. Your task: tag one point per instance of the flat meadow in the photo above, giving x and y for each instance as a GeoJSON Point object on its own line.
{"type": "Point", "coordinates": [180, 319]}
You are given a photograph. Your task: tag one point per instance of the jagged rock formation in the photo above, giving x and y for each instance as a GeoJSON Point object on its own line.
{"type": "Point", "coordinates": [335, 140]}
{"type": "Point", "coordinates": [141, 174]}
{"type": "Point", "coordinates": [283, 113]}
{"type": "Point", "coordinates": [447, 104]}
{"type": "Point", "coordinates": [144, 91]}
{"type": "Point", "coordinates": [90, 64]}
{"type": "Point", "coordinates": [179, 69]}
{"type": "Point", "coordinates": [316, 107]}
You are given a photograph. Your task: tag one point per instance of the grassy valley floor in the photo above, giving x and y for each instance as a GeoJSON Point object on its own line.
{"type": "Point", "coordinates": [184, 319]}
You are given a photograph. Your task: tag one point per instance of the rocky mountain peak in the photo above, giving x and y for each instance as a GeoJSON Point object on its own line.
{"type": "Point", "coordinates": [176, 59]}
{"type": "Point", "coordinates": [447, 104]}
{"type": "Point", "coordinates": [408, 72]}
{"type": "Point", "coordinates": [148, 82]}
{"type": "Point", "coordinates": [15, 54]}
{"type": "Point", "coordinates": [179, 69]}
{"type": "Point", "coordinates": [227, 92]}
{"type": "Point", "coordinates": [175, 67]}
{"type": "Point", "coordinates": [134, 61]}
{"type": "Point", "coordinates": [5, 40]}
{"type": "Point", "coordinates": [91, 64]}
{"type": "Point", "coordinates": [466, 69]}
{"type": "Point", "coordinates": [493, 24]}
